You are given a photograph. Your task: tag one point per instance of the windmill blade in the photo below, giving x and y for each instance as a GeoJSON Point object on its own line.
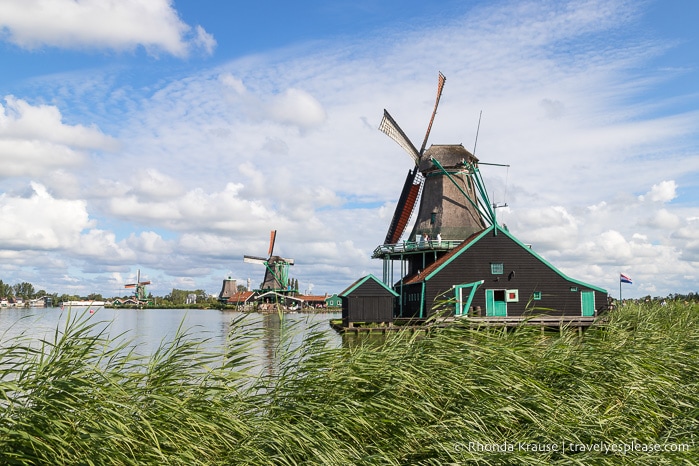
{"type": "Point", "coordinates": [389, 127]}
{"type": "Point", "coordinates": [254, 259]}
{"type": "Point", "coordinates": [130, 285]}
{"type": "Point", "coordinates": [440, 86]}
{"type": "Point", "coordinates": [144, 283]}
{"type": "Point", "coordinates": [405, 207]}
{"type": "Point", "coordinates": [272, 239]}
{"type": "Point", "coordinates": [288, 261]}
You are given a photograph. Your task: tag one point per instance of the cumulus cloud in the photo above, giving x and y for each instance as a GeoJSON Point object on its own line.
{"type": "Point", "coordinates": [297, 107]}
{"type": "Point", "coordinates": [34, 140]}
{"type": "Point", "coordinates": [111, 24]}
{"type": "Point", "coordinates": [665, 191]}
{"type": "Point", "coordinates": [40, 221]}
{"type": "Point", "coordinates": [293, 106]}
{"type": "Point", "coordinates": [223, 211]}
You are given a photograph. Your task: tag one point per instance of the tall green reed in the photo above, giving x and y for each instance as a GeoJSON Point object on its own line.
{"type": "Point", "coordinates": [447, 396]}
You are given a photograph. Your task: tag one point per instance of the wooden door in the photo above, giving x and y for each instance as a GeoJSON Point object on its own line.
{"type": "Point", "coordinates": [495, 305]}
{"type": "Point", "coordinates": [587, 303]}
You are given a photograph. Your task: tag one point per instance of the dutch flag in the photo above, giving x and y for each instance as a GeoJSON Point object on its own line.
{"type": "Point", "coordinates": [625, 278]}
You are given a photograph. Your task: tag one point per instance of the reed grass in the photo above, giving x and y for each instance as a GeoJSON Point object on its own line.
{"type": "Point", "coordinates": [451, 396]}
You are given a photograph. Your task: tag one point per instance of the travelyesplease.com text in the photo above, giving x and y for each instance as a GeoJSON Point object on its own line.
{"type": "Point", "coordinates": [565, 447]}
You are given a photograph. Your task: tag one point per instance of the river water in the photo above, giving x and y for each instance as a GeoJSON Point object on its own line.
{"type": "Point", "coordinates": [148, 329]}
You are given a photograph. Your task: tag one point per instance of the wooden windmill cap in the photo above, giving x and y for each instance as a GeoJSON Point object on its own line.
{"type": "Point", "coordinates": [448, 155]}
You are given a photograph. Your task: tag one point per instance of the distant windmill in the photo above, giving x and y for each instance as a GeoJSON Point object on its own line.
{"type": "Point", "coordinates": [276, 268]}
{"type": "Point", "coordinates": [140, 288]}
{"type": "Point", "coordinates": [441, 179]}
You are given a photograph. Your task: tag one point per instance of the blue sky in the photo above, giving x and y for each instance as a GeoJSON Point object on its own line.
{"type": "Point", "coordinates": [171, 137]}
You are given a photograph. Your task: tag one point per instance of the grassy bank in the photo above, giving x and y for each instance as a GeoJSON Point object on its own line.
{"type": "Point", "coordinates": [456, 396]}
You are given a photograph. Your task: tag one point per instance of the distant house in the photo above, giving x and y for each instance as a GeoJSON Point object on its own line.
{"type": "Point", "coordinates": [492, 273]}
{"type": "Point", "coordinates": [333, 301]}
{"type": "Point", "coordinates": [125, 302]}
{"type": "Point", "coordinates": [315, 301]}
{"type": "Point", "coordinates": [367, 300]}
{"type": "Point", "coordinates": [242, 298]}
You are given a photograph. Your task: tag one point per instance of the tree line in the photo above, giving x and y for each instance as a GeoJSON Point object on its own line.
{"type": "Point", "coordinates": [26, 291]}
{"type": "Point", "coordinates": [22, 290]}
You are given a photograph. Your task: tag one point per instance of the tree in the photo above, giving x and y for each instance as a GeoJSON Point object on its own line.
{"type": "Point", "coordinates": [24, 290]}
{"type": "Point", "coordinates": [5, 290]}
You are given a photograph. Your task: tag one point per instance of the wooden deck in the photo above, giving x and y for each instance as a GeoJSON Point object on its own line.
{"type": "Point", "coordinates": [559, 323]}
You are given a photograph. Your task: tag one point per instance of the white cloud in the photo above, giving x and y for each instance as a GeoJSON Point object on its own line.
{"type": "Point", "coordinates": [152, 184]}
{"type": "Point", "coordinates": [298, 108]}
{"type": "Point", "coordinates": [204, 40]}
{"type": "Point", "coordinates": [111, 24]}
{"type": "Point", "coordinates": [665, 191]}
{"type": "Point", "coordinates": [22, 121]}
{"type": "Point", "coordinates": [41, 221]}
{"type": "Point", "coordinates": [34, 141]}
{"type": "Point", "coordinates": [664, 219]}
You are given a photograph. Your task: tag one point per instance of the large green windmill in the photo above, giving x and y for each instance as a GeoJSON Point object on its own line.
{"type": "Point", "coordinates": [276, 268]}
{"type": "Point", "coordinates": [139, 288]}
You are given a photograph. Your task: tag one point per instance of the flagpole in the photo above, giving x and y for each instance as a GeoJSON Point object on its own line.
{"type": "Point", "coordinates": [620, 301]}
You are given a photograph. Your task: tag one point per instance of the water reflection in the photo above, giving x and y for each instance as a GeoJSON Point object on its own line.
{"type": "Point", "coordinates": [149, 329]}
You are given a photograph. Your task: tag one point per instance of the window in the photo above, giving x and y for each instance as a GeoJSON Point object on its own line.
{"type": "Point", "coordinates": [497, 268]}
{"type": "Point", "coordinates": [537, 295]}
{"type": "Point", "coordinates": [573, 288]}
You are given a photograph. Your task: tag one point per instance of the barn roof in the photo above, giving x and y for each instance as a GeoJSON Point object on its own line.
{"type": "Point", "coordinates": [361, 281]}
{"type": "Point", "coordinates": [241, 297]}
{"type": "Point", "coordinates": [434, 268]}
{"type": "Point", "coordinates": [314, 298]}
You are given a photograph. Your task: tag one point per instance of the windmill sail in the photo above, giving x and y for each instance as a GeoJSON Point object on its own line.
{"type": "Point", "coordinates": [272, 239]}
{"type": "Point", "coordinates": [405, 207]}
{"type": "Point", "coordinates": [440, 87]}
{"type": "Point", "coordinates": [389, 127]}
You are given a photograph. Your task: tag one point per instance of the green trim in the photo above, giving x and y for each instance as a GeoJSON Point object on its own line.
{"type": "Point", "coordinates": [473, 286]}
{"type": "Point", "coordinates": [488, 214]}
{"type": "Point", "coordinates": [480, 184]}
{"type": "Point", "coordinates": [547, 263]}
{"type": "Point", "coordinates": [422, 301]}
{"type": "Point", "coordinates": [495, 229]}
{"type": "Point", "coordinates": [277, 278]}
{"type": "Point", "coordinates": [361, 281]}
{"type": "Point", "coordinates": [448, 261]}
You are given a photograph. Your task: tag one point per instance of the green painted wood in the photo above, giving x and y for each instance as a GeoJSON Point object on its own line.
{"type": "Point", "coordinates": [588, 303]}
{"type": "Point", "coordinates": [494, 308]}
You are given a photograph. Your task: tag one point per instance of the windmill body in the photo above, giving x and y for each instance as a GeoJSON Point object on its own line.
{"type": "Point", "coordinates": [139, 287]}
{"type": "Point", "coordinates": [445, 189]}
{"type": "Point", "coordinates": [276, 276]}
{"type": "Point", "coordinates": [444, 206]}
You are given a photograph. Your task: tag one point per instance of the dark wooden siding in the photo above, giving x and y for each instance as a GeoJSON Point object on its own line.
{"type": "Point", "coordinates": [369, 302]}
{"type": "Point", "coordinates": [411, 298]}
{"type": "Point", "coordinates": [522, 271]}
{"type": "Point", "coordinates": [367, 309]}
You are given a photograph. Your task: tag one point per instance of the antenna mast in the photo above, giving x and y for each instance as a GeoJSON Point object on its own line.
{"type": "Point", "coordinates": [478, 129]}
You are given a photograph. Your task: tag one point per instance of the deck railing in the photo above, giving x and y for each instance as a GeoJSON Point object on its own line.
{"type": "Point", "coordinates": [415, 246]}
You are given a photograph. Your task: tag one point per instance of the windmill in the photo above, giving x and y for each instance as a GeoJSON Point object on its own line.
{"type": "Point", "coordinates": [276, 268]}
{"type": "Point", "coordinates": [140, 288]}
{"type": "Point", "coordinates": [442, 181]}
